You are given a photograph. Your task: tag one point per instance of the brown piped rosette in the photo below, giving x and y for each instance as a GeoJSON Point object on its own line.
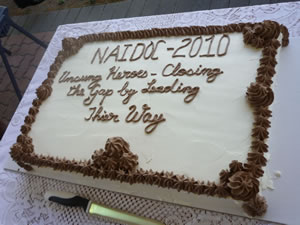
{"type": "Point", "coordinates": [116, 162]}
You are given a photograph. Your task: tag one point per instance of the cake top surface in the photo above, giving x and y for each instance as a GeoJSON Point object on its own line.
{"type": "Point", "coordinates": [190, 106]}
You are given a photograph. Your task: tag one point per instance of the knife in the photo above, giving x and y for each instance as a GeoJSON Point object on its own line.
{"type": "Point", "coordinates": [73, 200]}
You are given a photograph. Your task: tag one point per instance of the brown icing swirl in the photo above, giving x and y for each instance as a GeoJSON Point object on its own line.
{"type": "Point", "coordinates": [268, 60]}
{"type": "Point", "coordinates": [25, 166]}
{"type": "Point", "coordinates": [264, 80]}
{"type": "Point", "coordinates": [243, 186]}
{"type": "Point", "coordinates": [262, 121]}
{"type": "Point", "coordinates": [189, 187]}
{"type": "Point", "coordinates": [116, 156]}
{"type": "Point", "coordinates": [257, 158]}
{"type": "Point", "coordinates": [199, 187]}
{"type": "Point", "coordinates": [222, 191]}
{"type": "Point", "coordinates": [224, 175]}
{"type": "Point", "coordinates": [149, 177]}
{"type": "Point", "coordinates": [24, 139]}
{"type": "Point", "coordinates": [25, 129]}
{"type": "Point", "coordinates": [259, 95]}
{"type": "Point", "coordinates": [29, 119]}
{"type": "Point", "coordinates": [72, 45]}
{"type": "Point", "coordinates": [140, 176]}
{"type": "Point", "coordinates": [116, 146]}
{"type": "Point", "coordinates": [263, 111]}
{"type": "Point", "coordinates": [16, 151]}
{"type": "Point", "coordinates": [36, 102]}
{"type": "Point", "coordinates": [44, 91]}
{"type": "Point", "coordinates": [260, 132]}
{"type": "Point", "coordinates": [33, 110]}
{"type": "Point", "coordinates": [48, 81]}
{"type": "Point", "coordinates": [51, 74]}
{"type": "Point", "coordinates": [168, 179]}
{"type": "Point", "coordinates": [180, 182]}
{"type": "Point", "coordinates": [266, 70]}
{"type": "Point", "coordinates": [235, 166]}
{"type": "Point", "coordinates": [259, 146]}
{"type": "Point", "coordinates": [256, 206]}
{"type": "Point", "coordinates": [254, 169]}
{"type": "Point", "coordinates": [285, 34]}
{"type": "Point", "coordinates": [260, 34]}
{"type": "Point", "coordinates": [210, 189]}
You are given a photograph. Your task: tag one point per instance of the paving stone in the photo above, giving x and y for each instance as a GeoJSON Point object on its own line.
{"type": "Point", "coordinates": [14, 48]}
{"type": "Point", "coordinates": [5, 84]}
{"type": "Point", "coordinates": [30, 20]}
{"type": "Point", "coordinates": [2, 110]}
{"type": "Point", "coordinates": [279, 1]}
{"type": "Point", "coordinates": [24, 65]}
{"type": "Point", "coordinates": [59, 20]}
{"type": "Point", "coordinates": [11, 108]}
{"type": "Point", "coordinates": [15, 39]}
{"type": "Point", "coordinates": [219, 4]}
{"type": "Point", "coordinates": [96, 12]}
{"type": "Point", "coordinates": [28, 74]}
{"type": "Point", "coordinates": [238, 3]}
{"type": "Point", "coordinates": [136, 8]}
{"type": "Point", "coordinates": [150, 7]}
{"type": "Point", "coordinates": [48, 36]}
{"type": "Point", "coordinates": [258, 2]}
{"type": "Point", "coordinates": [29, 49]}
{"type": "Point", "coordinates": [166, 7]}
{"type": "Point", "coordinates": [55, 20]}
{"type": "Point", "coordinates": [107, 12]}
{"type": "Point", "coordinates": [120, 9]}
{"type": "Point", "coordinates": [15, 60]}
{"type": "Point", "coordinates": [23, 84]}
{"type": "Point", "coordinates": [38, 56]}
{"type": "Point", "coordinates": [72, 15]}
{"type": "Point", "coordinates": [40, 22]}
{"type": "Point", "coordinates": [185, 6]}
{"type": "Point", "coordinates": [202, 5]}
{"type": "Point", "coordinates": [5, 98]}
{"type": "Point", "coordinates": [83, 14]}
{"type": "Point", "coordinates": [28, 40]}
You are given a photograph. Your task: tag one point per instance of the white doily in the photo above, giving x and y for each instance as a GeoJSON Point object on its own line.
{"type": "Point", "coordinates": [21, 196]}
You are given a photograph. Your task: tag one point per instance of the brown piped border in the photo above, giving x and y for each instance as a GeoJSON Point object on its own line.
{"type": "Point", "coordinates": [240, 181]}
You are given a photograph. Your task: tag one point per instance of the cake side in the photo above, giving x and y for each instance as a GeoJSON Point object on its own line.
{"type": "Point", "coordinates": [239, 182]}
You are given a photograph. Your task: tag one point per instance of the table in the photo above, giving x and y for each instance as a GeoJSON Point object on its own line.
{"type": "Point", "coordinates": [21, 195]}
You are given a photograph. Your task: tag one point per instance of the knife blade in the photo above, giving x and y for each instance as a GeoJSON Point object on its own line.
{"type": "Point", "coordinates": [73, 200]}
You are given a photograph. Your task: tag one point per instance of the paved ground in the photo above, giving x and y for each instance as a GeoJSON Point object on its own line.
{"type": "Point", "coordinates": [26, 55]}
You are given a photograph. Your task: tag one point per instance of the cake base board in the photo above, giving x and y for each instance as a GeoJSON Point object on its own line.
{"type": "Point", "coordinates": [283, 201]}
{"type": "Point", "coordinates": [229, 206]}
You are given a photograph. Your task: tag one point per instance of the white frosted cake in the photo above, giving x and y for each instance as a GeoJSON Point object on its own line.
{"type": "Point", "coordinates": [178, 108]}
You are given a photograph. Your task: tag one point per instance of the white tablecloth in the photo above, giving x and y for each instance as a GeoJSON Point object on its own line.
{"type": "Point", "coordinates": [21, 195]}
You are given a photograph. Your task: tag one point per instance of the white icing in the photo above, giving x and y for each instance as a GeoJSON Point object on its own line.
{"type": "Point", "coordinates": [198, 139]}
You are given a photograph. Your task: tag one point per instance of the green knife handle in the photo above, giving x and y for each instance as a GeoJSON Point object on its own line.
{"type": "Point", "coordinates": [127, 218]}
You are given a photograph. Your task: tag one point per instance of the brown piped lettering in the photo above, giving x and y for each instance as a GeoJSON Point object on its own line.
{"type": "Point", "coordinates": [98, 53]}
{"type": "Point", "coordinates": [124, 53]}
{"type": "Point", "coordinates": [134, 57]}
{"type": "Point", "coordinates": [124, 91]}
{"type": "Point", "coordinates": [174, 88]}
{"type": "Point", "coordinates": [101, 115]}
{"type": "Point", "coordinates": [226, 47]}
{"type": "Point", "coordinates": [114, 53]}
{"type": "Point", "coordinates": [115, 74]}
{"type": "Point", "coordinates": [146, 117]}
{"type": "Point", "coordinates": [208, 54]}
{"type": "Point", "coordinates": [171, 70]}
